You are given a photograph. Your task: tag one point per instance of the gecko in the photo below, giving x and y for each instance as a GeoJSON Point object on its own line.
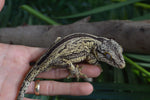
{"type": "Point", "coordinates": [69, 51]}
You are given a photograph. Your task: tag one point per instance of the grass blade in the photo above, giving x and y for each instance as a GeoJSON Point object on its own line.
{"type": "Point", "coordinates": [144, 64]}
{"type": "Point", "coordinates": [143, 5]}
{"type": "Point", "coordinates": [145, 58]}
{"type": "Point", "coordinates": [102, 9]}
{"type": "Point", "coordinates": [137, 66]}
{"type": "Point", "coordinates": [39, 15]}
{"type": "Point", "coordinates": [144, 17]}
{"type": "Point", "coordinates": [118, 76]}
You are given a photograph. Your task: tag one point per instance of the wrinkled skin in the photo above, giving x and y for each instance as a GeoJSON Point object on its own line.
{"type": "Point", "coordinates": [14, 64]}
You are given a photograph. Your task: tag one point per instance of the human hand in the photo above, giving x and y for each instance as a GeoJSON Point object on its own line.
{"type": "Point", "coordinates": [14, 64]}
{"type": "Point", "coordinates": [1, 4]}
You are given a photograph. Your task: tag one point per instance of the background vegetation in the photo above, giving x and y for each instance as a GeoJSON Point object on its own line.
{"type": "Point", "coordinates": [131, 83]}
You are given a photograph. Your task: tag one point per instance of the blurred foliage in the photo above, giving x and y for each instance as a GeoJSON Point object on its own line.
{"type": "Point", "coordinates": [99, 10]}
{"type": "Point", "coordinates": [131, 83]}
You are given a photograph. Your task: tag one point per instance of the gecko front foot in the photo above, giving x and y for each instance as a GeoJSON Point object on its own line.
{"type": "Point", "coordinates": [75, 70]}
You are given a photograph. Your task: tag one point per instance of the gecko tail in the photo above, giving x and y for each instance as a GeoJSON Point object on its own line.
{"type": "Point", "coordinates": [34, 71]}
{"type": "Point", "coordinates": [28, 79]}
{"type": "Point", "coordinates": [23, 90]}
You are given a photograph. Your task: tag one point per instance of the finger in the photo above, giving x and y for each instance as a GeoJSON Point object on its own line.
{"type": "Point", "coordinates": [1, 4]}
{"type": "Point", "coordinates": [89, 70]}
{"type": "Point", "coordinates": [59, 88]}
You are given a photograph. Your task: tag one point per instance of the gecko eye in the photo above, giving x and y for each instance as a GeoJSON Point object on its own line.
{"type": "Point", "coordinates": [108, 56]}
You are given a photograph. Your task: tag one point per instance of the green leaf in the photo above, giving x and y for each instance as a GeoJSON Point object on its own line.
{"type": "Point", "coordinates": [44, 98]}
{"type": "Point", "coordinates": [130, 75]}
{"type": "Point", "coordinates": [37, 97]}
{"type": "Point", "coordinates": [143, 5]}
{"type": "Point", "coordinates": [122, 86]}
{"type": "Point", "coordinates": [39, 15]}
{"type": "Point", "coordinates": [118, 76]}
{"type": "Point", "coordinates": [144, 17]}
{"type": "Point", "coordinates": [102, 9]}
{"type": "Point", "coordinates": [144, 64]}
{"type": "Point", "coordinates": [141, 57]}
{"type": "Point", "coordinates": [128, 60]}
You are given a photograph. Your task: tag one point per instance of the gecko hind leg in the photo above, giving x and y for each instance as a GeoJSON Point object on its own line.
{"type": "Point", "coordinates": [75, 70]}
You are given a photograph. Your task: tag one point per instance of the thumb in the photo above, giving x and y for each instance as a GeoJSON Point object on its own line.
{"type": "Point", "coordinates": [1, 4]}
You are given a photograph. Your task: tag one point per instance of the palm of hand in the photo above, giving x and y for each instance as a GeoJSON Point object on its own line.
{"type": "Point", "coordinates": [14, 62]}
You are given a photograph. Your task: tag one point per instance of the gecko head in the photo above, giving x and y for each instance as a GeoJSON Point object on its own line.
{"type": "Point", "coordinates": [110, 51]}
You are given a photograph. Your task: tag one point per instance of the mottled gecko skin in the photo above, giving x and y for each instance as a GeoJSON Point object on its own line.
{"type": "Point", "coordinates": [73, 49]}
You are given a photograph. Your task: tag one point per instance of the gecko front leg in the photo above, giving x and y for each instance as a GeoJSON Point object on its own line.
{"type": "Point", "coordinates": [57, 39]}
{"type": "Point", "coordinates": [74, 70]}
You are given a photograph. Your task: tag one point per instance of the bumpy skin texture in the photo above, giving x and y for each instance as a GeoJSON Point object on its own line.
{"type": "Point", "coordinates": [73, 49]}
